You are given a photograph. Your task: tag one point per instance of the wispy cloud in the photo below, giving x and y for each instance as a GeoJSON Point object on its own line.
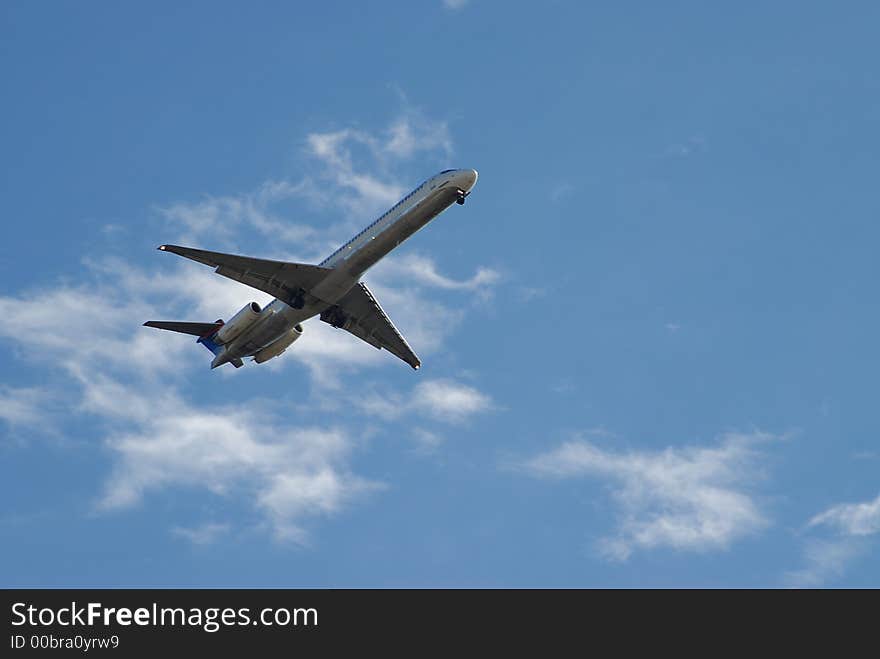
{"type": "Point", "coordinates": [289, 473]}
{"type": "Point", "coordinates": [413, 132]}
{"type": "Point", "coordinates": [825, 559]}
{"type": "Point", "coordinates": [24, 406]}
{"type": "Point", "coordinates": [203, 534]}
{"type": "Point", "coordinates": [450, 401]}
{"type": "Point", "coordinates": [693, 498]}
{"type": "Point", "coordinates": [441, 400]}
{"type": "Point", "coordinates": [529, 293]}
{"type": "Point", "coordinates": [98, 329]}
{"type": "Point", "coordinates": [222, 218]}
{"type": "Point", "coordinates": [423, 270]}
{"type": "Point", "coordinates": [363, 191]}
{"type": "Point", "coordinates": [840, 535]}
{"type": "Point", "coordinates": [857, 519]}
{"type": "Point", "coordinates": [426, 440]}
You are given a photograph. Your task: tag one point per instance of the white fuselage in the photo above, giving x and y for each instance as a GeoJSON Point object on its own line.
{"type": "Point", "coordinates": [354, 258]}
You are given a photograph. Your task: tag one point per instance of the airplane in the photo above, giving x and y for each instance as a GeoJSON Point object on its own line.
{"type": "Point", "coordinates": [331, 290]}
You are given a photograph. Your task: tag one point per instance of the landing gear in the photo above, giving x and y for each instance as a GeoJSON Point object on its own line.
{"type": "Point", "coordinates": [298, 302]}
{"type": "Point", "coordinates": [462, 195]}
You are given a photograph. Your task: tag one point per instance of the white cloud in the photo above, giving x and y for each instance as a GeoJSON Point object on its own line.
{"type": "Point", "coordinates": [442, 400]}
{"type": "Point", "coordinates": [824, 561]}
{"type": "Point", "coordinates": [387, 405]}
{"type": "Point", "coordinates": [858, 519]}
{"type": "Point", "coordinates": [423, 270]}
{"type": "Point", "coordinates": [84, 326]}
{"type": "Point", "coordinates": [23, 406]}
{"type": "Point", "coordinates": [529, 293]}
{"type": "Point", "coordinates": [289, 473]}
{"type": "Point", "coordinates": [203, 534]}
{"type": "Point", "coordinates": [695, 498]}
{"type": "Point", "coordinates": [359, 190]}
{"type": "Point", "coordinates": [426, 440]}
{"type": "Point", "coordinates": [222, 218]}
{"type": "Point", "coordinates": [449, 401]}
{"type": "Point", "coordinates": [363, 193]}
{"type": "Point", "coordinates": [412, 133]}
{"type": "Point", "coordinates": [827, 558]}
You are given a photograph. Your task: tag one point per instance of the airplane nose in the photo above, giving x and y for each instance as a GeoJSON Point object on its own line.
{"type": "Point", "coordinates": [470, 178]}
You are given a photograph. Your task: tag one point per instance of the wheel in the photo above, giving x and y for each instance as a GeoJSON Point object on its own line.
{"type": "Point", "coordinates": [460, 200]}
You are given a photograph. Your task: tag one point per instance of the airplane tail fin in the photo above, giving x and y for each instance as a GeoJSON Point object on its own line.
{"type": "Point", "coordinates": [205, 331]}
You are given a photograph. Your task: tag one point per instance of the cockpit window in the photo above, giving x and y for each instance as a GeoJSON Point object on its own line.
{"type": "Point", "coordinates": [446, 171]}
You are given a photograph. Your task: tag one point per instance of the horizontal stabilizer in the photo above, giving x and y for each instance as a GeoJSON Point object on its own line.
{"type": "Point", "coordinates": [196, 329]}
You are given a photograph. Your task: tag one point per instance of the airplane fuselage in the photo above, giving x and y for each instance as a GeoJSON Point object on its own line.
{"type": "Point", "coordinates": [350, 261]}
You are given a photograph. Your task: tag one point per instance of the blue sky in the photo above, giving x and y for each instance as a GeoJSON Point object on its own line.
{"type": "Point", "coordinates": [648, 339]}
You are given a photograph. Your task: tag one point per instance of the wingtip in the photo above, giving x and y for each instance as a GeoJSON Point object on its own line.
{"type": "Point", "coordinates": [162, 248]}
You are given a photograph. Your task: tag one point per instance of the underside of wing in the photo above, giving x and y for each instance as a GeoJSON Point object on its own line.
{"type": "Point", "coordinates": [359, 313]}
{"type": "Point", "coordinates": [196, 329]}
{"type": "Point", "coordinates": [286, 281]}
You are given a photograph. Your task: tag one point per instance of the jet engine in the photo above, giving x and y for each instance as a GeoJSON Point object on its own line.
{"type": "Point", "coordinates": [279, 345]}
{"type": "Point", "coordinates": [238, 323]}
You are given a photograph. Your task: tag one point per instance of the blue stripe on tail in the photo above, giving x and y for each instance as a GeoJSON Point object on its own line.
{"type": "Point", "coordinates": [210, 344]}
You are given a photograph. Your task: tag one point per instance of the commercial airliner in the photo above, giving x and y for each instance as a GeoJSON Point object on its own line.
{"type": "Point", "coordinates": [331, 290]}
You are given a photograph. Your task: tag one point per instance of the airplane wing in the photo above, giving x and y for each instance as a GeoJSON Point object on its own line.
{"type": "Point", "coordinates": [286, 281]}
{"type": "Point", "coordinates": [359, 313]}
{"type": "Point", "coordinates": [196, 329]}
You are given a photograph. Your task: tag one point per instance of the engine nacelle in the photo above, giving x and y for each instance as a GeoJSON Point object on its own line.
{"type": "Point", "coordinates": [238, 323]}
{"type": "Point", "coordinates": [279, 345]}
